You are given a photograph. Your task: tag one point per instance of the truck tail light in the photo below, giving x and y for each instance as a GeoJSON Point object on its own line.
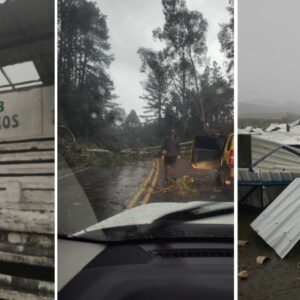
{"type": "Point", "coordinates": [231, 159]}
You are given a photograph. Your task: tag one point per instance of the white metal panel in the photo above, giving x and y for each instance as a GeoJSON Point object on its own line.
{"type": "Point", "coordinates": [279, 223]}
{"type": "Point", "coordinates": [280, 160]}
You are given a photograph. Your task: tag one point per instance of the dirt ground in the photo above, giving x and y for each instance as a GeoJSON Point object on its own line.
{"type": "Point", "coordinates": [277, 279]}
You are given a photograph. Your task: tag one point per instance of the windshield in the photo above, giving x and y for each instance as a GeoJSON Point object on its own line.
{"type": "Point", "coordinates": [145, 109]}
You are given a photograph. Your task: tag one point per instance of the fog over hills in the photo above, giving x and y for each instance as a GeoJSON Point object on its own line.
{"type": "Point", "coordinates": [268, 59]}
{"type": "Point", "coordinates": [266, 109]}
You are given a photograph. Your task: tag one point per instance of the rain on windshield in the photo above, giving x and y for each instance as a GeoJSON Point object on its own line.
{"type": "Point", "coordinates": [145, 106]}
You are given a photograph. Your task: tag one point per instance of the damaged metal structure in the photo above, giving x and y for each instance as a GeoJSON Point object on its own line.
{"type": "Point", "coordinates": [268, 162]}
{"type": "Point", "coordinates": [279, 223]}
{"type": "Point", "coordinates": [27, 149]}
{"type": "Point", "coordinates": [269, 181]}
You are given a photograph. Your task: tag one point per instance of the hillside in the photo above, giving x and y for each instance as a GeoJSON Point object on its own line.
{"type": "Point", "coordinates": [289, 111]}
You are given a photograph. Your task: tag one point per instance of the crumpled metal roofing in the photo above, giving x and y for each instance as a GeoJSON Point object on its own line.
{"type": "Point", "coordinates": [279, 223]}
{"type": "Point", "coordinates": [281, 160]}
{"type": "Point", "coordinates": [246, 175]}
{"type": "Point", "coordinates": [27, 34]}
{"type": "Point", "coordinates": [294, 127]}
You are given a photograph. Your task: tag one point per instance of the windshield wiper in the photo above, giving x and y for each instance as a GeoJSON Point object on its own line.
{"type": "Point", "coordinates": [203, 211]}
{"type": "Point", "coordinates": [163, 226]}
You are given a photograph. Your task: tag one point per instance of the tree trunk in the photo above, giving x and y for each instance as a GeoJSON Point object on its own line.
{"type": "Point", "coordinates": [201, 106]}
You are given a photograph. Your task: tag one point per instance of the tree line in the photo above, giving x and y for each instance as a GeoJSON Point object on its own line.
{"type": "Point", "coordinates": [183, 89]}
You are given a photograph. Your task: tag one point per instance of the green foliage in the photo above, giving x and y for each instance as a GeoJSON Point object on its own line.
{"type": "Point", "coordinates": [132, 120]}
{"type": "Point", "coordinates": [184, 33]}
{"type": "Point", "coordinates": [218, 97]}
{"type": "Point", "coordinates": [226, 39]}
{"type": "Point", "coordinates": [85, 89]}
{"type": "Point", "coordinates": [182, 90]}
{"type": "Point", "coordinates": [156, 85]}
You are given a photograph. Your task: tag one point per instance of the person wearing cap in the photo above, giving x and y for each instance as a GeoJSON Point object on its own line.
{"type": "Point", "coordinates": [171, 151]}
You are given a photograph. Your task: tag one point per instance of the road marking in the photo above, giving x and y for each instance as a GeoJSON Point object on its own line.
{"type": "Point", "coordinates": [150, 190]}
{"type": "Point", "coordinates": [135, 199]}
{"type": "Point", "coordinates": [64, 176]}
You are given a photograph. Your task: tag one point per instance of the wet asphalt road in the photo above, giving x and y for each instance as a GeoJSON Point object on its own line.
{"type": "Point", "coordinates": [94, 194]}
{"type": "Point", "coordinates": [278, 279]}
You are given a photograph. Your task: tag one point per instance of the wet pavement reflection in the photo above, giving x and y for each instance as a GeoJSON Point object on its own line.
{"type": "Point", "coordinates": [96, 193]}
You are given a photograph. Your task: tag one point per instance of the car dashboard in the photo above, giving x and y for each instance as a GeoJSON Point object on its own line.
{"type": "Point", "coordinates": [148, 271]}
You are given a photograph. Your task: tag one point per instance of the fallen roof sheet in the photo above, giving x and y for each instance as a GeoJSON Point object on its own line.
{"type": "Point", "coordinates": [285, 138]}
{"type": "Point", "coordinates": [284, 127]}
{"type": "Point", "coordinates": [286, 133]}
{"type": "Point", "coordinates": [279, 223]}
{"type": "Point", "coordinates": [281, 160]}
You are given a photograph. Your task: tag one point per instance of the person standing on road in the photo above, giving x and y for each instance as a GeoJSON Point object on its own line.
{"type": "Point", "coordinates": [170, 153]}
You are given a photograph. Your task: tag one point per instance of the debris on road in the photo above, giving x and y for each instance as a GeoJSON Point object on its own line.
{"type": "Point", "coordinates": [243, 243]}
{"type": "Point", "coordinates": [260, 260]}
{"type": "Point", "coordinates": [244, 274]}
{"type": "Point", "coordinates": [182, 186]}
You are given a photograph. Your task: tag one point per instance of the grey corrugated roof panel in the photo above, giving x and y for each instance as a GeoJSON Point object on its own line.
{"type": "Point", "coordinates": [278, 161]}
{"type": "Point", "coordinates": [279, 223]}
{"type": "Point", "coordinates": [246, 175]}
{"type": "Point", "coordinates": [279, 176]}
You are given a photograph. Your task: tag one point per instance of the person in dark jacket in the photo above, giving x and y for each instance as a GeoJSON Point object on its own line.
{"type": "Point", "coordinates": [170, 153]}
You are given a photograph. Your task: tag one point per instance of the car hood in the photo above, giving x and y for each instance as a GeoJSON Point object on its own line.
{"type": "Point", "coordinates": [147, 214]}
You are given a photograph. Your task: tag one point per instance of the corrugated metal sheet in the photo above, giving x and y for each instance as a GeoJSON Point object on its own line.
{"type": "Point", "coordinates": [292, 128]}
{"type": "Point", "coordinates": [279, 223]}
{"type": "Point", "coordinates": [246, 175]}
{"type": "Point", "coordinates": [279, 176]}
{"type": "Point", "coordinates": [286, 138]}
{"type": "Point", "coordinates": [281, 160]}
{"type": "Point", "coordinates": [270, 192]}
{"type": "Point", "coordinates": [253, 200]}
{"type": "Point", "coordinates": [27, 34]}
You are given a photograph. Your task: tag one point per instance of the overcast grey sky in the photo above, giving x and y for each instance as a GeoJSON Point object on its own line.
{"type": "Point", "coordinates": [268, 51]}
{"type": "Point", "coordinates": [130, 25]}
